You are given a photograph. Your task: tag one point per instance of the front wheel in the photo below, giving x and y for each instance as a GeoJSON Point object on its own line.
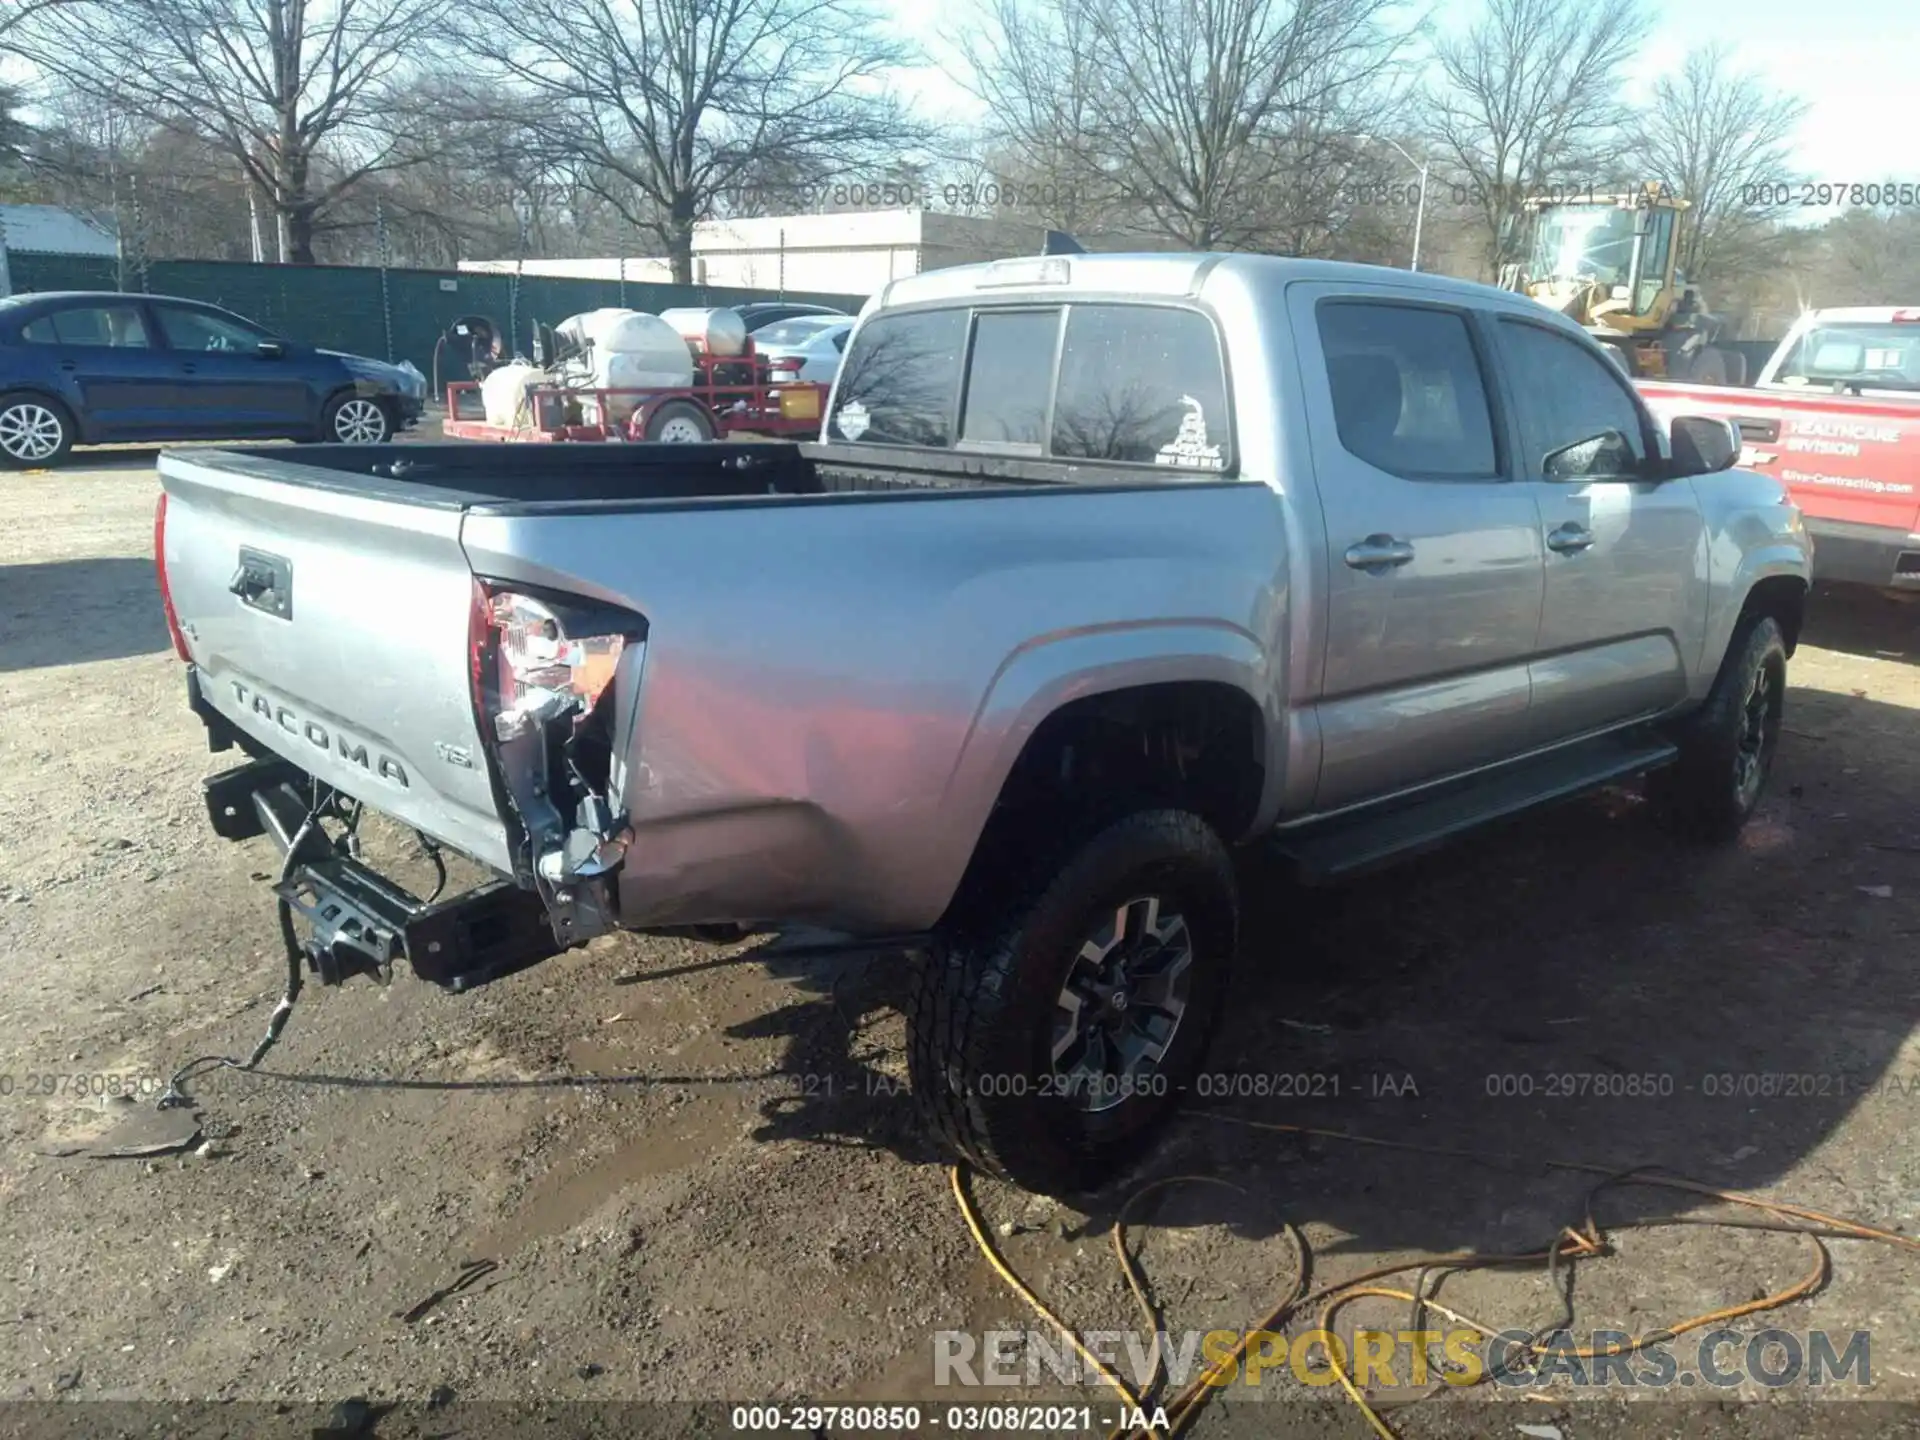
{"type": "Point", "coordinates": [356, 420]}
{"type": "Point", "coordinates": [34, 431]}
{"type": "Point", "coordinates": [1727, 746]}
{"type": "Point", "coordinates": [1049, 1038]}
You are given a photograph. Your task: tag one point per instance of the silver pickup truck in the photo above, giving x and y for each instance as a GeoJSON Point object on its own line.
{"type": "Point", "coordinates": [1103, 566]}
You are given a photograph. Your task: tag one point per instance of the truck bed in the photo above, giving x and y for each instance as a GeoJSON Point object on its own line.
{"type": "Point", "coordinates": [458, 476]}
{"type": "Point", "coordinates": [813, 633]}
{"type": "Point", "coordinates": [503, 479]}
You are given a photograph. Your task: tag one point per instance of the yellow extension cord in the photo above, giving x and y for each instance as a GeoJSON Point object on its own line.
{"type": "Point", "coordinates": [1571, 1244]}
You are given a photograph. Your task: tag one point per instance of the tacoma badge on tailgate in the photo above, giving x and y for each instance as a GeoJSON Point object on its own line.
{"type": "Point", "coordinates": [314, 733]}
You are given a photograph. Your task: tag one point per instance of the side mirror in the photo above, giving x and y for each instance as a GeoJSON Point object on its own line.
{"type": "Point", "coordinates": [1606, 456]}
{"type": "Point", "coordinates": [1704, 444]}
{"type": "Point", "coordinates": [272, 349]}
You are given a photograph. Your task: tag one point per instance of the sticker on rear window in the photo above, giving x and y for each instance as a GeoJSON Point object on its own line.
{"type": "Point", "coordinates": [1189, 446]}
{"type": "Point", "coordinates": [853, 420]}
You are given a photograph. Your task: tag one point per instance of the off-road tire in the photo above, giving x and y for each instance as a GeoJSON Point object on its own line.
{"type": "Point", "coordinates": [36, 421]}
{"type": "Point", "coordinates": [981, 1017]}
{"type": "Point", "coordinates": [1700, 794]}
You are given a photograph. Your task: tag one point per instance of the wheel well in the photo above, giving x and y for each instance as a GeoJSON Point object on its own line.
{"type": "Point", "coordinates": [1188, 745]}
{"type": "Point", "coordinates": [1784, 598]}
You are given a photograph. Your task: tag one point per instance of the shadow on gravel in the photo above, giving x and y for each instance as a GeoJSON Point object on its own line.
{"type": "Point", "coordinates": [123, 457]}
{"type": "Point", "coordinates": [69, 612]}
{"type": "Point", "coordinates": [1575, 985]}
{"type": "Point", "coordinates": [1864, 622]}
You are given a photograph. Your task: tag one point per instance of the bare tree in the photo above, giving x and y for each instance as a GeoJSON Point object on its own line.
{"type": "Point", "coordinates": [1721, 140]}
{"type": "Point", "coordinates": [671, 106]}
{"type": "Point", "coordinates": [295, 92]}
{"type": "Point", "coordinates": [1864, 257]}
{"type": "Point", "coordinates": [12, 12]}
{"type": "Point", "coordinates": [1529, 97]}
{"type": "Point", "coordinates": [1036, 66]}
{"type": "Point", "coordinates": [1213, 123]}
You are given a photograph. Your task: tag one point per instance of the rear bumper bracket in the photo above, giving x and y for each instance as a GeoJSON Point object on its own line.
{"type": "Point", "coordinates": [360, 921]}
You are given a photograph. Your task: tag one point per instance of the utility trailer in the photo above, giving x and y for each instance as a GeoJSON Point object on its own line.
{"type": "Point", "coordinates": [709, 409]}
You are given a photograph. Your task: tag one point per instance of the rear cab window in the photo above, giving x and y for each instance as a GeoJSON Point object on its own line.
{"type": "Point", "coordinates": [1868, 355]}
{"type": "Point", "coordinates": [900, 384]}
{"type": "Point", "coordinates": [1097, 381]}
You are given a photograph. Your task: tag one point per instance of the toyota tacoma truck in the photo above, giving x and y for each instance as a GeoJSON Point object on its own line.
{"type": "Point", "coordinates": [1103, 566]}
{"type": "Point", "coordinates": [1835, 416]}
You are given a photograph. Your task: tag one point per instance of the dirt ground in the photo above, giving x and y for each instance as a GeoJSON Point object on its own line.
{"type": "Point", "coordinates": [743, 1210]}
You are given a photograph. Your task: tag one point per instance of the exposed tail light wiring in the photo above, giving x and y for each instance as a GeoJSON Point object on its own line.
{"type": "Point", "coordinates": [544, 668]}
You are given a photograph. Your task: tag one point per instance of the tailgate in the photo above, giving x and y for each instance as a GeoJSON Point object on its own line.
{"type": "Point", "coordinates": [332, 627]}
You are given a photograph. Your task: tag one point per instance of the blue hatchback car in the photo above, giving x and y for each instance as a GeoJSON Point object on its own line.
{"type": "Point", "coordinates": [79, 368]}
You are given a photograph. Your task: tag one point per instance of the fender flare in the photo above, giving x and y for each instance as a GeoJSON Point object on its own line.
{"type": "Point", "coordinates": [1766, 562]}
{"type": "Point", "coordinates": [1052, 671]}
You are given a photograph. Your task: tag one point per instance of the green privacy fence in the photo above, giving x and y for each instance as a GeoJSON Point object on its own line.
{"type": "Point", "coordinates": [347, 308]}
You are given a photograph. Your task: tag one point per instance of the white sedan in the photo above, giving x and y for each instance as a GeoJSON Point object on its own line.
{"type": "Point", "coordinates": [808, 347]}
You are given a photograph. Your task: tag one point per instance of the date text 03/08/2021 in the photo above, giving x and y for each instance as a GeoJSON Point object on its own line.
{"type": "Point", "coordinates": [948, 1419]}
{"type": "Point", "coordinates": [1208, 1085]}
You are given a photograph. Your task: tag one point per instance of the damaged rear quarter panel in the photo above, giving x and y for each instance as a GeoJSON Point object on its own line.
{"type": "Point", "coordinates": [832, 692]}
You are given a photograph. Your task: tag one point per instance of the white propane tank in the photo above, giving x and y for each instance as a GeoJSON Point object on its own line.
{"type": "Point", "coordinates": [625, 350]}
{"type": "Point", "coordinates": [718, 332]}
{"type": "Point", "coordinates": [503, 394]}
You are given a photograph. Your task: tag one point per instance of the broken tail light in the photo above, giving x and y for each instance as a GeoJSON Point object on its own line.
{"type": "Point", "coordinates": [541, 663]}
{"type": "Point", "coordinates": [535, 656]}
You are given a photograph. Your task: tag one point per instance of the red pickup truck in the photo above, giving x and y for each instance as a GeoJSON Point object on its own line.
{"type": "Point", "coordinates": [1835, 415]}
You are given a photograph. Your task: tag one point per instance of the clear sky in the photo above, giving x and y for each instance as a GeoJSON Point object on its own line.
{"type": "Point", "coordinates": [1856, 63]}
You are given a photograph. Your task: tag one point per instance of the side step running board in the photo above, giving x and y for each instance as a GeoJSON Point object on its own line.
{"type": "Point", "coordinates": [1333, 849]}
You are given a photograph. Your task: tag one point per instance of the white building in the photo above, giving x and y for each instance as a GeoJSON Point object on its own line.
{"type": "Point", "coordinates": [50, 230]}
{"type": "Point", "coordinates": [852, 252]}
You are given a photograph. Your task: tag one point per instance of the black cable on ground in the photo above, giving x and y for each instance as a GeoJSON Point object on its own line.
{"type": "Point", "coordinates": [175, 1094]}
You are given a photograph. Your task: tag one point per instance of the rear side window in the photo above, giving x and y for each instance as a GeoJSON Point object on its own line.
{"type": "Point", "coordinates": [116, 326]}
{"type": "Point", "coordinates": [1142, 384]}
{"type": "Point", "coordinates": [1408, 395]}
{"type": "Point", "coordinates": [900, 383]}
{"type": "Point", "coordinates": [1009, 377]}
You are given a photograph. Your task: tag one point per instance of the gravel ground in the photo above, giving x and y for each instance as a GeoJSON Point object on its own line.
{"type": "Point", "coordinates": [747, 1213]}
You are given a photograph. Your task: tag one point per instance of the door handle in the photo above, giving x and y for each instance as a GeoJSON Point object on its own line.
{"type": "Point", "coordinates": [189, 367]}
{"type": "Point", "coordinates": [69, 365]}
{"type": "Point", "coordinates": [1569, 539]}
{"type": "Point", "coordinates": [1378, 553]}
{"type": "Point", "coordinates": [264, 582]}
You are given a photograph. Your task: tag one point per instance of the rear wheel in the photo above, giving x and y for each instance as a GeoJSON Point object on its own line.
{"type": "Point", "coordinates": [1055, 1032]}
{"type": "Point", "coordinates": [356, 420]}
{"type": "Point", "coordinates": [1727, 746]}
{"type": "Point", "coordinates": [35, 430]}
{"type": "Point", "coordinates": [679, 422]}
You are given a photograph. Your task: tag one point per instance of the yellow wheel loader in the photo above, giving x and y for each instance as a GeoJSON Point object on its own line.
{"type": "Point", "coordinates": [1609, 262]}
